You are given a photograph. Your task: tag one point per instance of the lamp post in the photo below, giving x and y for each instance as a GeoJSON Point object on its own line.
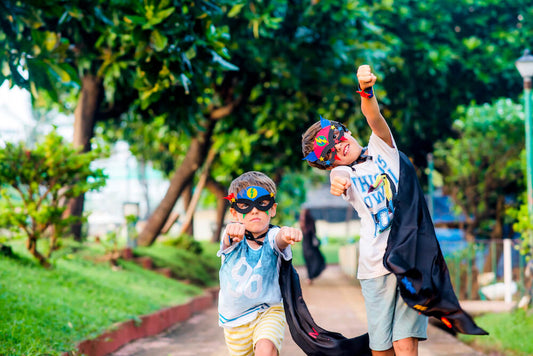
{"type": "Point", "coordinates": [524, 65]}
{"type": "Point", "coordinates": [131, 214]}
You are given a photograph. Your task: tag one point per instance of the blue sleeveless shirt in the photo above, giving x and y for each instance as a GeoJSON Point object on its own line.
{"type": "Point", "coordinates": [249, 279]}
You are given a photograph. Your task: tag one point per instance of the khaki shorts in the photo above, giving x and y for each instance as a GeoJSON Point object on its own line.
{"type": "Point", "coordinates": [269, 324]}
{"type": "Point", "coordinates": [389, 317]}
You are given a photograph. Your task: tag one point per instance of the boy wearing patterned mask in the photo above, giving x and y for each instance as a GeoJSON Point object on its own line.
{"type": "Point", "coordinates": [250, 303]}
{"type": "Point", "coordinates": [403, 274]}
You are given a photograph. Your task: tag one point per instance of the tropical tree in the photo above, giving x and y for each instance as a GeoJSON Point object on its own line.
{"type": "Point", "coordinates": [445, 54]}
{"type": "Point", "coordinates": [99, 58]}
{"type": "Point", "coordinates": [295, 61]}
{"type": "Point", "coordinates": [481, 165]}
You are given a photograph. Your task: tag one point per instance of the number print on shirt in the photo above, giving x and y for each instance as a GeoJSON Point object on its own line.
{"type": "Point", "coordinates": [248, 283]}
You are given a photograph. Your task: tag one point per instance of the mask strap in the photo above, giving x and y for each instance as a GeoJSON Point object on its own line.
{"type": "Point", "coordinates": [250, 236]}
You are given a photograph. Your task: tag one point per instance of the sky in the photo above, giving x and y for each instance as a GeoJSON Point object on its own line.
{"type": "Point", "coordinates": [16, 117]}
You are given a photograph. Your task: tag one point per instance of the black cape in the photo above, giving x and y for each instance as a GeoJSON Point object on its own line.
{"type": "Point", "coordinates": [413, 254]}
{"type": "Point", "coordinates": [311, 338]}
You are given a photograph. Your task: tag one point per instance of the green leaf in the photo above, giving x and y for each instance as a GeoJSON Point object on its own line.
{"type": "Point", "coordinates": [225, 64]}
{"type": "Point", "coordinates": [235, 10]}
{"type": "Point", "coordinates": [60, 72]}
{"type": "Point", "coordinates": [158, 40]}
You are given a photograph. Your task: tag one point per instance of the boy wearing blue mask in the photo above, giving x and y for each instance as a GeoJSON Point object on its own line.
{"type": "Point", "coordinates": [250, 303]}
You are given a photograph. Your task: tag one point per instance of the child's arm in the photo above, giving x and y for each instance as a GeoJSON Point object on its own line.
{"type": "Point", "coordinates": [288, 236]}
{"type": "Point", "coordinates": [370, 107]}
{"type": "Point", "coordinates": [234, 233]}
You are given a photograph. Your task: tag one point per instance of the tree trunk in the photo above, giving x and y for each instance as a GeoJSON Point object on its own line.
{"type": "Point", "coordinates": [186, 198]}
{"type": "Point", "coordinates": [222, 206]}
{"type": "Point", "coordinates": [84, 120]}
{"type": "Point", "coordinates": [188, 220]}
{"type": "Point", "coordinates": [31, 244]}
{"type": "Point", "coordinates": [193, 160]}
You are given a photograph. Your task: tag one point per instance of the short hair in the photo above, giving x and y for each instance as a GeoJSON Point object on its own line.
{"type": "Point", "coordinates": [308, 141]}
{"type": "Point", "coordinates": [252, 178]}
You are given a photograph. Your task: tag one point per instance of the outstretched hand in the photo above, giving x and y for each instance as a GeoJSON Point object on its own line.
{"type": "Point", "coordinates": [365, 77]}
{"type": "Point", "coordinates": [339, 184]}
{"type": "Point", "coordinates": [235, 232]}
{"type": "Point", "coordinates": [288, 236]}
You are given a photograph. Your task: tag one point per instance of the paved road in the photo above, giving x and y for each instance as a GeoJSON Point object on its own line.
{"type": "Point", "coordinates": [334, 300]}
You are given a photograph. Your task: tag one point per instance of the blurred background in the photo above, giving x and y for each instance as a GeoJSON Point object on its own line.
{"type": "Point", "coordinates": [124, 122]}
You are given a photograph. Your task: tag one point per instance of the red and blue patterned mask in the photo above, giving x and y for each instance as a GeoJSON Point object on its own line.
{"type": "Point", "coordinates": [331, 133]}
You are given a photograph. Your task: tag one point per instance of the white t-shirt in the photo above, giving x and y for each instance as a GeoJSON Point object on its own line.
{"type": "Point", "coordinates": [374, 184]}
{"type": "Point", "coordinates": [249, 279]}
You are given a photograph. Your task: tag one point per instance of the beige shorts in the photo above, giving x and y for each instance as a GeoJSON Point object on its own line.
{"type": "Point", "coordinates": [269, 324]}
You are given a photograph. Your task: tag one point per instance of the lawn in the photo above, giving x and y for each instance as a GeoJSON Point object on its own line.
{"type": "Point", "coordinates": [330, 250]}
{"type": "Point", "coordinates": [47, 311]}
{"type": "Point", "coordinates": [510, 333]}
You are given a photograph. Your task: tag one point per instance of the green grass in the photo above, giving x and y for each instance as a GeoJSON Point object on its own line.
{"type": "Point", "coordinates": [329, 250]}
{"type": "Point", "coordinates": [510, 333]}
{"type": "Point", "coordinates": [50, 310]}
{"type": "Point", "coordinates": [199, 269]}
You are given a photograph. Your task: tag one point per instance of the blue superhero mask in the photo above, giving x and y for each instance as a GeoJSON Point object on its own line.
{"type": "Point", "coordinates": [251, 197]}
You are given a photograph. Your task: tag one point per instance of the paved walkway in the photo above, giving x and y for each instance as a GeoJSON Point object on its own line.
{"type": "Point", "coordinates": [334, 300]}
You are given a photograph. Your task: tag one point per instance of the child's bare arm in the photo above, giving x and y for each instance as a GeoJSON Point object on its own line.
{"type": "Point", "coordinates": [288, 236]}
{"type": "Point", "coordinates": [370, 107]}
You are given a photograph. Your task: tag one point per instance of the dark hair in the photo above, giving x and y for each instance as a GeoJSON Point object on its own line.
{"type": "Point", "coordinates": [251, 178]}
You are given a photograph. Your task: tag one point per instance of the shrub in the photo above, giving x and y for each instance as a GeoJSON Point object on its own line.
{"type": "Point", "coordinates": [35, 185]}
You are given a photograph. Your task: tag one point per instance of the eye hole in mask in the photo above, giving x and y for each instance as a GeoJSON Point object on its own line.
{"type": "Point", "coordinates": [244, 206]}
{"type": "Point", "coordinates": [251, 197]}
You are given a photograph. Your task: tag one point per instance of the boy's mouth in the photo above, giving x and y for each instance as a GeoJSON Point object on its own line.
{"type": "Point", "coordinates": [346, 149]}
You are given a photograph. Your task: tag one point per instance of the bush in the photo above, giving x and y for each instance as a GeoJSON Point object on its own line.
{"type": "Point", "coordinates": [36, 184]}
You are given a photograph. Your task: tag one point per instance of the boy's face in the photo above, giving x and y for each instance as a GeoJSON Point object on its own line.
{"type": "Point", "coordinates": [256, 221]}
{"type": "Point", "coordinates": [346, 151]}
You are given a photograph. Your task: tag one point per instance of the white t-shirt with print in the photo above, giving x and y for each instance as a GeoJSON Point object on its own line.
{"type": "Point", "coordinates": [374, 184]}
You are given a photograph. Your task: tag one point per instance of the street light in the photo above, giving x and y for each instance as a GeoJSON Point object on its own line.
{"type": "Point", "coordinates": [131, 214]}
{"type": "Point", "coordinates": [524, 65]}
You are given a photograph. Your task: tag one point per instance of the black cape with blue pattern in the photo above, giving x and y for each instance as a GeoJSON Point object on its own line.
{"type": "Point", "coordinates": [413, 254]}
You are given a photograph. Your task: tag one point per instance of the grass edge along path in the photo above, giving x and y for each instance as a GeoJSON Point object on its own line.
{"type": "Point", "coordinates": [50, 311]}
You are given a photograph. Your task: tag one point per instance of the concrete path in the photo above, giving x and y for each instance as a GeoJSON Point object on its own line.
{"type": "Point", "coordinates": [334, 300]}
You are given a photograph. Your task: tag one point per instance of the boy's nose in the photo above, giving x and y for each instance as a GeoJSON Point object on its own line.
{"type": "Point", "coordinates": [338, 147]}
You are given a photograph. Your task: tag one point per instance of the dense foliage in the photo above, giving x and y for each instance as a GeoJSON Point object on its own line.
{"type": "Point", "coordinates": [249, 77]}
{"type": "Point", "coordinates": [481, 166]}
